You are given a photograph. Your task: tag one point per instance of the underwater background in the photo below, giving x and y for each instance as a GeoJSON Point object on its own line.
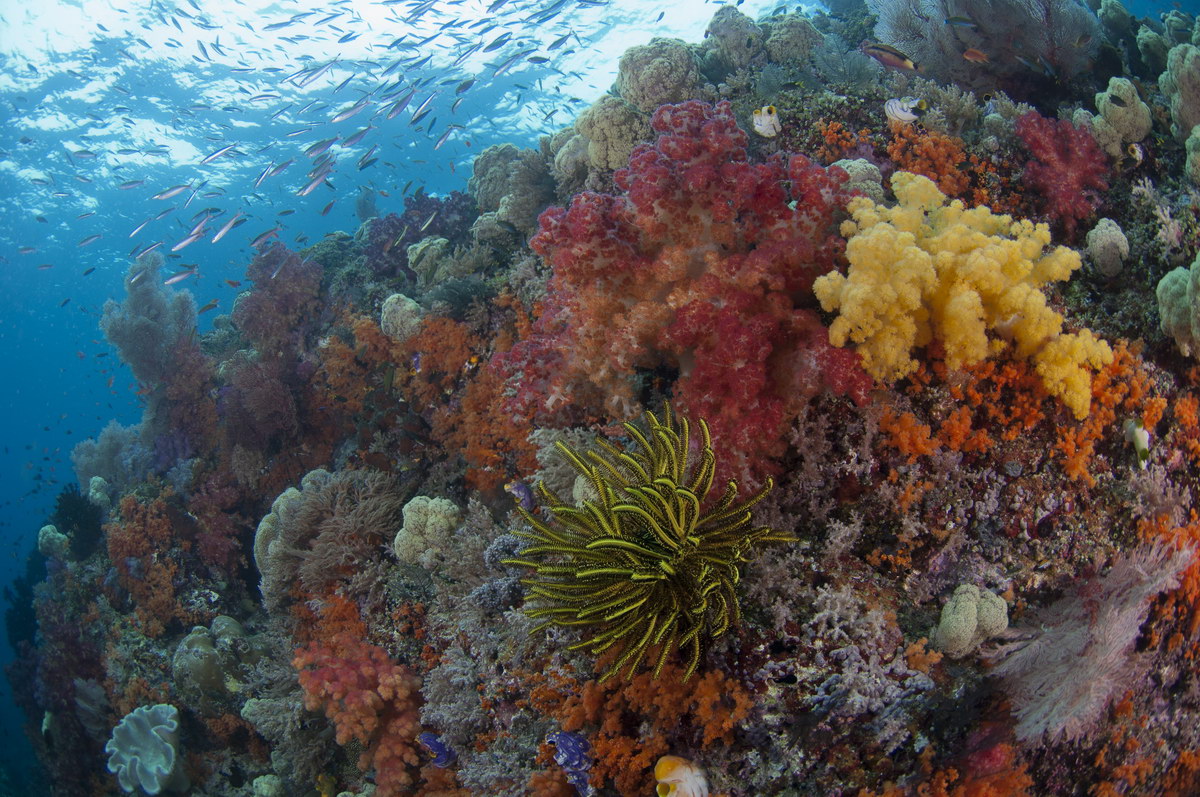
{"type": "Point", "coordinates": [282, 277]}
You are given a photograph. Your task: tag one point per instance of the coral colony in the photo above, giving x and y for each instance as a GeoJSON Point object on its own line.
{"type": "Point", "coordinates": [855, 453]}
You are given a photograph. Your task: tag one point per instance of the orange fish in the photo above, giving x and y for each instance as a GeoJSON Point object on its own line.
{"type": "Point", "coordinates": [975, 56]}
{"type": "Point", "coordinates": [210, 306]}
{"type": "Point", "coordinates": [233, 283]}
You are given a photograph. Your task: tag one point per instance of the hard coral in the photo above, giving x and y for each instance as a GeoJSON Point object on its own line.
{"type": "Point", "coordinates": [704, 265]}
{"type": "Point", "coordinates": [665, 70]}
{"type": "Point", "coordinates": [1068, 168]}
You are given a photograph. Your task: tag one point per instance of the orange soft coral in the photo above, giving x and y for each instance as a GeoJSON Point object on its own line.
{"type": "Point", "coordinates": [138, 546]}
{"type": "Point", "coordinates": [1177, 614]}
{"type": "Point", "coordinates": [1008, 394]}
{"type": "Point", "coordinates": [1121, 387]}
{"type": "Point", "coordinates": [479, 426]}
{"type": "Point", "coordinates": [837, 140]}
{"type": "Point", "coordinates": [639, 720]}
{"type": "Point", "coordinates": [907, 435]}
{"type": "Point", "coordinates": [957, 433]}
{"type": "Point", "coordinates": [934, 155]}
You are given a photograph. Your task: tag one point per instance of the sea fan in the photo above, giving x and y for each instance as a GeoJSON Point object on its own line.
{"type": "Point", "coordinates": [1025, 41]}
{"type": "Point", "coordinates": [1063, 676]}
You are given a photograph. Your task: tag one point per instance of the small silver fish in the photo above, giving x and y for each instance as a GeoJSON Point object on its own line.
{"type": "Point", "coordinates": [262, 238]}
{"type": "Point", "coordinates": [180, 277]}
{"type": "Point", "coordinates": [221, 233]}
{"type": "Point", "coordinates": [217, 154]}
{"type": "Point", "coordinates": [174, 190]}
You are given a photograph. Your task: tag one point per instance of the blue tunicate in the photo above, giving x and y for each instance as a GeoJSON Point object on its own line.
{"type": "Point", "coordinates": [573, 753]}
{"type": "Point", "coordinates": [443, 756]}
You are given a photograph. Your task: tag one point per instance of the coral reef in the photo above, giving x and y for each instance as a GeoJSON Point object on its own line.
{"type": "Point", "coordinates": [663, 71]}
{"type": "Point", "coordinates": [1179, 307]}
{"type": "Point", "coordinates": [1027, 44]}
{"type": "Point", "coordinates": [1068, 169]}
{"type": "Point", "coordinates": [391, 526]}
{"type": "Point", "coordinates": [652, 549]}
{"type": "Point", "coordinates": [696, 267]}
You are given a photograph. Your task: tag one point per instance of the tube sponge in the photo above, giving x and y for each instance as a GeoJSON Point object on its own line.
{"type": "Point", "coordinates": [925, 269]}
{"type": "Point", "coordinates": [143, 751]}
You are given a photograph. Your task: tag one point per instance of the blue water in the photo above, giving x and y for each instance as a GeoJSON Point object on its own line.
{"type": "Point", "coordinates": [146, 95]}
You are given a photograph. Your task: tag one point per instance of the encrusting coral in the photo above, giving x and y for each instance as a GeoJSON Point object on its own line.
{"type": "Point", "coordinates": [645, 564]}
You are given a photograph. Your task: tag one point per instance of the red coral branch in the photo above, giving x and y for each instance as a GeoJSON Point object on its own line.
{"type": "Point", "coordinates": [704, 268]}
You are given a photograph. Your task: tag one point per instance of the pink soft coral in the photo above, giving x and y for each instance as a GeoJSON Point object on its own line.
{"type": "Point", "coordinates": [704, 267]}
{"type": "Point", "coordinates": [369, 699]}
{"type": "Point", "coordinates": [1068, 168]}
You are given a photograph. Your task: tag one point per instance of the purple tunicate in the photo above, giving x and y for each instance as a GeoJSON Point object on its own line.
{"type": "Point", "coordinates": [521, 492]}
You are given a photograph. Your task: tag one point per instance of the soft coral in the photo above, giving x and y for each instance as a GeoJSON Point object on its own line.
{"type": "Point", "coordinates": [704, 268]}
{"type": "Point", "coordinates": [1068, 168]}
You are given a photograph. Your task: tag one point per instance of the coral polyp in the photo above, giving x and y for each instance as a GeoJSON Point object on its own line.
{"type": "Point", "coordinates": [645, 561]}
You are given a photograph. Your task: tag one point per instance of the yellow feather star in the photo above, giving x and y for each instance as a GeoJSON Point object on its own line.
{"type": "Point", "coordinates": [643, 563]}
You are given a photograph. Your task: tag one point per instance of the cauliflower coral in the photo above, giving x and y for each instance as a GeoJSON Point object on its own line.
{"type": "Point", "coordinates": [926, 270]}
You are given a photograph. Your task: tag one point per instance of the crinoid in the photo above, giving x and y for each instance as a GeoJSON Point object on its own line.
{"type": "Point", "coordinates": [643, 562]}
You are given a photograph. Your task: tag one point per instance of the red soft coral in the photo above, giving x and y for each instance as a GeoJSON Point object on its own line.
{"type": "Point", "coordinates": [1068, 168]}
{"type": "Point", "coordinates": [705, 268]}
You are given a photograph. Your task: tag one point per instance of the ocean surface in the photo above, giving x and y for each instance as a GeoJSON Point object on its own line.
{"type": "Point", "coordinates": [198, 136]}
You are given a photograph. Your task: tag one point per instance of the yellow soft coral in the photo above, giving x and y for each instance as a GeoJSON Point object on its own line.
{"type": "Point", "coordinates": [925, 269]}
